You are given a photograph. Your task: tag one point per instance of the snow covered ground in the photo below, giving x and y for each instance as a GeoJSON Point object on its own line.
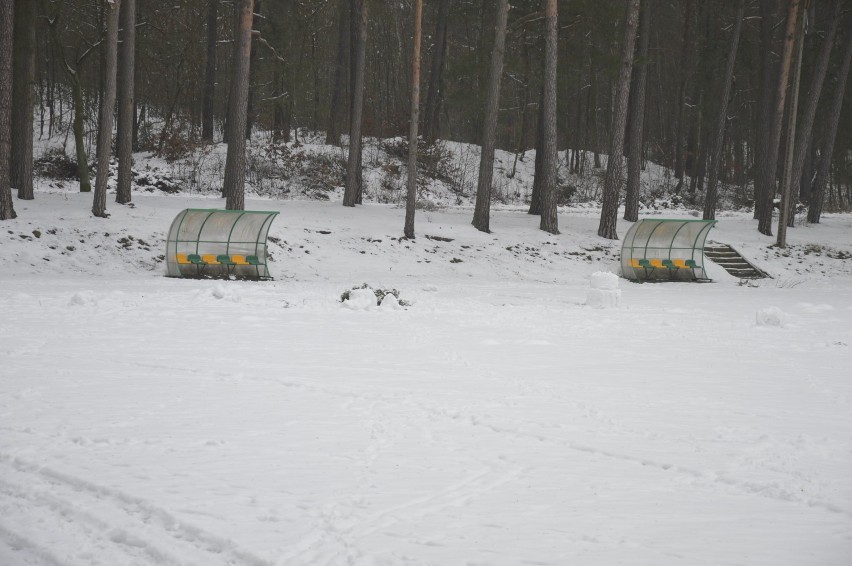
{"type": "Point", "coordinates": [498, 420]}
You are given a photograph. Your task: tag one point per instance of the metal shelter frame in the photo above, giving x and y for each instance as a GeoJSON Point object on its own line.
{"type": "Point", "coordinates": [213, 242]}
{"type": "Point", "coordinates": [665, 249]}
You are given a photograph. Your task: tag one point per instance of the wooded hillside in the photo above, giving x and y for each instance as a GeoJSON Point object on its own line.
{"type": "Point", "coordinates": [704, 88]}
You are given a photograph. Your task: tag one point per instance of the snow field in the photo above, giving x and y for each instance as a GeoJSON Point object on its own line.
{"type": "Point", "coordinates": [499, 420]}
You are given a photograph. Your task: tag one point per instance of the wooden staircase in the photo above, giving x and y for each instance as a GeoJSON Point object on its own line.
{"type": "Point", "coordinates": [732, 262]}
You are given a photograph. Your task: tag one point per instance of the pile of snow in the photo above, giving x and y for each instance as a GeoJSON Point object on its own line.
{"type": "Point", "coordinates": [360, 300]}
{"type": "Point", "coordinates": [771, 316]}
{"type": "Point", "coordinates": [390, 303]}
{"type": "Point", "coordinates": [603, 291]}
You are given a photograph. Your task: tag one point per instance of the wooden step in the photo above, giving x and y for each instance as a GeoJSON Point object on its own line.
{"type": "Point", "coordinates": [732, 261]}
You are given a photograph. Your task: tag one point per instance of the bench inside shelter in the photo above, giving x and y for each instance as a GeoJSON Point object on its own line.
{"type": "Point", "coordinates": [665, 250]}
{"type": "Point", "coordinates": [219, 243]}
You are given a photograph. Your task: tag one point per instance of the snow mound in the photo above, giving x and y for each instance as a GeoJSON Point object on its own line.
{"type": "Point", "coordinates": [603, 292]}
{"type": "Point", "coordinates": [83, 298]}
{"type": "Point", "coordinates": [390, 303]}
{"type": "Point", "coordinates": [771, 316]}
{"type": "Point", "coordinates": [361, 300]}
{"type": "Point", "coordinates": [603, 298]}
{"type": "Point", "coordinates": [219, 291]}
{"type": "Point", "coordinates": [604, 280]}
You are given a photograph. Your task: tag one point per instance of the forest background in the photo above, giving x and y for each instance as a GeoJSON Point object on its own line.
{"type": "Point", "coordinates": [712, 86]}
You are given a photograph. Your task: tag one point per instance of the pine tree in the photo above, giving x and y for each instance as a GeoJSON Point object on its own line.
{"type": "Point", "coordinates": [609, 209]}
{"type": "Point", "coordinates": [7, 17]}
{"type": "Point", "coordinates": [235, 161]}
{"type": "Point", "coordinates": [549, 220]}
{"type": "Point", "coordinates": [482, 210]}
{"type": "Point", "coordinates": [415, 110]}
{"type": "Point", "coordinates": [126, 96]}
{"type": "Point", "coordinates": [352, 192]}
{"type": "Point", "coordinates": [716, 155]}
{"type": "Point", "coordinates": [108, 107]}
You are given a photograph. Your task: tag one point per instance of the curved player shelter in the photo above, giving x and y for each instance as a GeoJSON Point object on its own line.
{"type": "Point", "coordinates": [663, 249]}
{"type": "Point", "coordinates": [219, 243]}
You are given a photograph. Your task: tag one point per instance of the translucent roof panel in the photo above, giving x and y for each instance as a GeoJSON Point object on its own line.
{"type": "Point", "coordinates": [658, 249]}
{"type": "Point", "coordinates": [239, 234]}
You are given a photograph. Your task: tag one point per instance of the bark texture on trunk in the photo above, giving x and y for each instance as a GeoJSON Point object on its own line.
{"type": "Point", "coordinates": [7, 17]}
{"type": "Point", "coordinates": [786, 184]}
{"type": "Point", "coordinates": [763, 177]}
{"type": "Point", "coordinates": [79, 135]}
{"type": "Point", "coordinates": [352, 193]}
{"type": "Point", "coordinates": [637, 116]}
{"type": "Point", "coordinates": [818, 195]}
{"type": "Point", "coordinates": [235, 161]}
{"type": "Point", "coordinates": [107, 108]}
{"type": "Point", "coordinates": [482, 210]}
{"type": "Point", "coordinates": [722, 120]}
{"type": "Point", "coordinates": [341, 71]}
{"type": "Point", "coordinates": [549, 220]}
{"type": "Point", "coordinates": [126, 95]}
{"type": "Point", "coordinates": [23, 97]}
{"type": "Point", "coordinates": [535, 197]}
{"type": "Point", "coordinates": [431, 120]}
{"type": "Point", "coordinates": [609, 209]}
{"type": "Point", "coordinates": [412, 131]}
{"type": "Point", "coordinates": [209, 72]}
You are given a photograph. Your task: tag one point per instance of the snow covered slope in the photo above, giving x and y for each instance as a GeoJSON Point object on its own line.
{"type": "Point", "coordinates": [498, 420]}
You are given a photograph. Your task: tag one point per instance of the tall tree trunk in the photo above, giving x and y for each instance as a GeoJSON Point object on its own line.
{"type": "Point", "coordinates": [609, 209]}
{"type": "Point", "coordinates": [804, 130]}
{"type": "Point", "coordinates": [824, 168]}
{"type": "Point", "coordinates": [352, 193]}
{"type": "Point", "coordinates": [786, 185]}
{"type": "Point", "coordinates": [594, 107]}
{"type": "Point", "coordinates": [108, 107]}
{"type": "Point", "coordinates": [765, 219]}
{"type": "Point", "coordinates": [7, 20]}
{"type": "Point", "coordinates": [79, 135]}
{"type": "Point", "coordinates": [280, 110]}
{"type": "Point", "coordinates": [763, 193]}
{"type": "Point", "coordinates": [482, 210]}
{"type": "Point", "coordinates": [341, 69]}
{"type": "Point", "coordinates": [235, 161]}
{"type": "Point", "coordinates": [549, 220]}
{"type": "Point", "coordinates": [415, 111]}
{"type": "Point", "coordinates": [535, 197]}
{"type": "Point", "coordinates": [680, 157]}
{"type": "Point", "coordinates": [126, 96]}
{"type": "Point", "coordinates": [431, 119]}
{"type": "Point", "coordinates": [716, 156]}
{"type": "Point", "coordinates": [23, 97]}
{"type": "Point", "coordinates": [637, 116]}
{"type": "Point", "coordinates": [252, 80]}
{"type": "Point", "coordinates": [209, 72]}
{"type": "Point", "coordinates": [808, 171]}
{"type": "Point", "coordinates": [73, 77]}
{"type": "Point", "coordinates": [235, 48]}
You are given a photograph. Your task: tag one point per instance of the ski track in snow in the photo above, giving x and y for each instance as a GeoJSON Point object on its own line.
{"type": "Point", "coordinates": [136, 528]}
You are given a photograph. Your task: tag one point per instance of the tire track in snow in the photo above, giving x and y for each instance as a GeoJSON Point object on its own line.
{"type": "Point", "coordinates": [72, 502]}
{"type": "Point", "coordinates": [77, 524]}
{"type": "Point", "coordinates": [21, 547]}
